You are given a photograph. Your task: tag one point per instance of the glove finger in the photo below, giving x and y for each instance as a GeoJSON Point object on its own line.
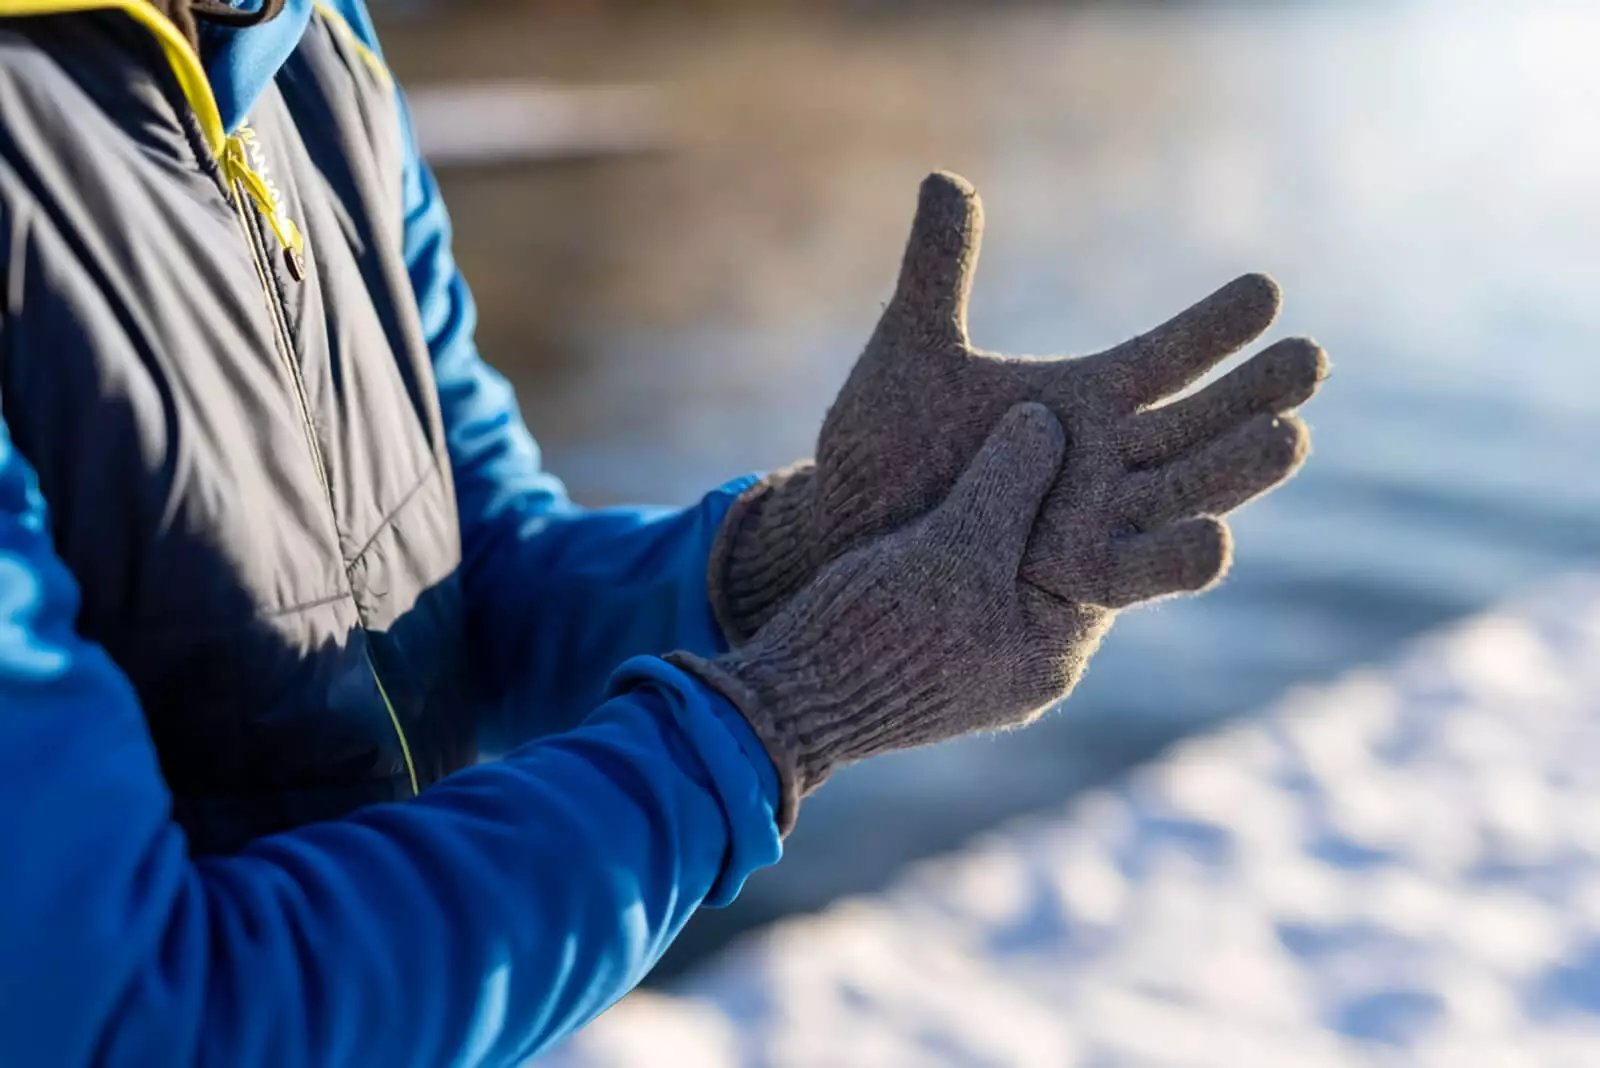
{"type": "Point", "coordinates": [1282, 377]}
{"type": "Point", "coordinates": [1183, 557]}
{"type": "Point", "coordinates": [1152, 366]}
{"type": "Point", "coordinates": [941, 255]}
{"type": "Point", "coordinates": [1220, 475]}
{"type": "Point", "coordinates": [989, 514]}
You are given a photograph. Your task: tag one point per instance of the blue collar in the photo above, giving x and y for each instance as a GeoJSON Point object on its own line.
{"type": "Point", "coordinates": [241, 63]}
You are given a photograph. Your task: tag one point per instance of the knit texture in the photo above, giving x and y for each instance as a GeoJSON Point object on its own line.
{"type": "Point", "coordinates": [926, 634]}
{"type": "Point", "coordinates": [921, 399]}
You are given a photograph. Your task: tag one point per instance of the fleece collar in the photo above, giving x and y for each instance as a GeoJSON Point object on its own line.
{"type": "Point", "coordinates": [241, 62]}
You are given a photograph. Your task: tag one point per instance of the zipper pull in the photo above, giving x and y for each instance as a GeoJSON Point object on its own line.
{"type": "Point", "coordinates": [295, 262]}
{"type": "Point", "coordinates": [236, 168]}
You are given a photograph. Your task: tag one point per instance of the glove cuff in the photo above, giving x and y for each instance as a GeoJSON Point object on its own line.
{"type": "Point", "coordinates": [762, 555]}
{"type": "Point", "coordinates": [783, 754]}
{"type": "Point", "coordinates": [814, 717]}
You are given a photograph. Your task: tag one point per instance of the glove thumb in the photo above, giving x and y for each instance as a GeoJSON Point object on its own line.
{"type": "Point", "coordinates": [941, 255]}
{"type": "Point", "coordinates": [989, 514]}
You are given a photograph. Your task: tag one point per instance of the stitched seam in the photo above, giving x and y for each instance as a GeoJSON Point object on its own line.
{"type": "Point", "coordinates": [196, 626]}
{"type": "Point", "coordinates": [394, 513]}
{"type": "Point", "coordinates": [305, 606]}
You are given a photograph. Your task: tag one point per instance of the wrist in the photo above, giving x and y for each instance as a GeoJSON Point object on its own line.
{"type": "Point", "coordinates": [818, 701]}
{"type": "Point", "coordinates": [781, 753]}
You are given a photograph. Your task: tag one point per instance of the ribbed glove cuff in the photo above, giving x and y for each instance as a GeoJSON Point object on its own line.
{"type": "Point", "coordinates": [762, 555]}
{"type": "Point", "coordinates": [785, 759]}
{"type": "Point", "coordinates": [812, 720]}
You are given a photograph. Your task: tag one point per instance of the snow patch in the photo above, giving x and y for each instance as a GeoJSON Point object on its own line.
{"type": "Point", "coordinates": [1400, 868]}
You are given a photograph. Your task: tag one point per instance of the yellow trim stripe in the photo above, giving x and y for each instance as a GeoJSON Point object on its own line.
{"type": "Point", "coordinates": [400, 732]}
{"type": "Point", "coordinates": [345, 30]}
{"type": "Point", "coordinates": [185, 64]}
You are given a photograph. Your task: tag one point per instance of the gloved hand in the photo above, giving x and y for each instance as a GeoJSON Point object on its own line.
{"type": "Point", "coordinates": [930, 632]}
{"type": "Point", "coordinates": [921, 400]}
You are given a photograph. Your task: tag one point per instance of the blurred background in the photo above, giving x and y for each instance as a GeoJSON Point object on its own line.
{"type": "Point", "coordinates": [680, 220]}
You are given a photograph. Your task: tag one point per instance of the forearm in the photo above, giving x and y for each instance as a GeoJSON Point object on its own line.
{"type": "Point", "coordinates": [558, 601]}
{"type": "Point", "coordinates": [556, 596]}
{"type": "Point", "coordinates": [473, 926]}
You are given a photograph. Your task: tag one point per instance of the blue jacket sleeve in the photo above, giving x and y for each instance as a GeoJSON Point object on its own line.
{"type": "Point", "coordinates": [472, 926]}
{"type": "Point", "coordinates": [556, 595]}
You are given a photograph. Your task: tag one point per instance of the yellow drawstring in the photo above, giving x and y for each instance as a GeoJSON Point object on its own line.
{"type": "Point", "coordinates": [236, 167]}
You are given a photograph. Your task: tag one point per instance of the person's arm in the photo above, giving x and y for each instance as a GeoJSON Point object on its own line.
{"type": "Point", "coordinates": [472, 926]}
{"type": "Point", "coordinates": [556, 595]}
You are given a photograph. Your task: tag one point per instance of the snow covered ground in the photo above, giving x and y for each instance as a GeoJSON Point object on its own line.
{"type": "Point", "coordinates": [1402, 868]}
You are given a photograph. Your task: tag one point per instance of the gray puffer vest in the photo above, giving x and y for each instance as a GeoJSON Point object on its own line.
{"type": "Point", "coordinates": [212, 358]}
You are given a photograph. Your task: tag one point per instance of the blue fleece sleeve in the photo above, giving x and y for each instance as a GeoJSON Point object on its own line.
{"type": "Point", "coordinates": [472, 926]}
{"type": "Point", "coordinates": [557, 596]}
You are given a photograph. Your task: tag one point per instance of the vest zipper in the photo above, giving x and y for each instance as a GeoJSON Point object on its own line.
{"type": "Point", "coordinates": [242, 193]}
{"type": "Point", "coordinates": [242, 184]}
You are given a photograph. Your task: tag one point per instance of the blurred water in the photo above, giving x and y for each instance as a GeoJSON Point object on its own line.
{"type": "Point", "coordinates": [1423, 179]}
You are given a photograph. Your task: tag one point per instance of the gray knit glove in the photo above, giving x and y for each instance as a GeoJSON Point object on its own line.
{"type": "Point", "coordinates": [921, 400]}
{"type": "Point", "coordinates": [930, 632]}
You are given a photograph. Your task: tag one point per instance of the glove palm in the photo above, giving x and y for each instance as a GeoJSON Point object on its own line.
{"type": "Point", "coordinates": [921, 399]}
